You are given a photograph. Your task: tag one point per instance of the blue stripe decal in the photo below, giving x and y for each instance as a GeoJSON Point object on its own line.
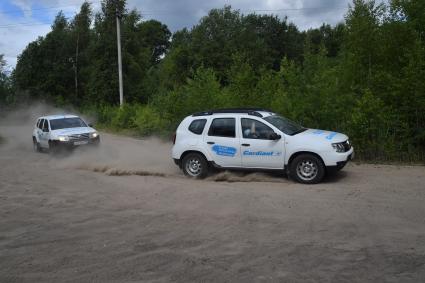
{"type": "Point", "coordinates": [331, 135]}
{"type": "Point", "coordinates": [224, 150]}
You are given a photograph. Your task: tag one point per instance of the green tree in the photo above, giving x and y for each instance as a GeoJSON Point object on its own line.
{"type": "Point", "coordinates": [81, 38]}
{"type": "Point", "coordinates": [5, 90]}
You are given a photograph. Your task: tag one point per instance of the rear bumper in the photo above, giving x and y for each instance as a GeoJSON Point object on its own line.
{"type": "Point", "coordinates": [177, 162]}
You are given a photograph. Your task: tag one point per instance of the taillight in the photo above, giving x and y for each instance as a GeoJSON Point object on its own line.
{"type": "Point", "coordinates": [174, 138]}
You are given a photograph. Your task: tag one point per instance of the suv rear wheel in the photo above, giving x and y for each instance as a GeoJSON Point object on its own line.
{"type": "Point", "coordinates": [194, 165]}
{"type": "Point", "coordinates": [307, 169]}
{"type": "Point", "coordinates": [36, 145]}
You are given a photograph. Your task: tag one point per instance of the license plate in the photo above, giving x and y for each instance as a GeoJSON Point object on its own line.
{"type": "Point", "coordinates": [80, 142]}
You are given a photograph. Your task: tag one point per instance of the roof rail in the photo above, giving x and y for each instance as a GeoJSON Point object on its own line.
{"type": "Point", "coordinates": [249, 111]}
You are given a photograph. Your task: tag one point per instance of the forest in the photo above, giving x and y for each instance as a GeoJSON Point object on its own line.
{"type": "Point", "coordinates": [364, 76]}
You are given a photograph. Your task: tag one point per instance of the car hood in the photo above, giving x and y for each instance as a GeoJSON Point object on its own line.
{"type": "Point", "coordinates": [322, 136]}
{"type": "Point", "coordinates": [73, 131]}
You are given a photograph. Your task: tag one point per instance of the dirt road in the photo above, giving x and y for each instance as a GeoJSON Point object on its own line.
{"type": "Point", "coordinates": [63, 222]}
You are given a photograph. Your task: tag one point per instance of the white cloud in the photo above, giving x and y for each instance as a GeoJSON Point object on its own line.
{"type": "Point", "coordinates": [25, 6]}
{"type": "Point", "coordinates": [16, 38]}
{"type": "Point", "coordinates": [174, 13]}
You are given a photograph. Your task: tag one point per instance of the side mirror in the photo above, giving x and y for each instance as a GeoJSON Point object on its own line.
{"type": "Point", "coordinates": [45, 130]}
{"type": "Point", "coordinates": [90, 125]}
{"type": "Point", "coordinates": [275, 137]}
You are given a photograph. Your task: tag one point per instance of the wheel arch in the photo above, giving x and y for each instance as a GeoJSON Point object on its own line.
{"type": "Point", "coordinates": [295, 154]}
{"type": "Point", "coordinates": [185, 153]}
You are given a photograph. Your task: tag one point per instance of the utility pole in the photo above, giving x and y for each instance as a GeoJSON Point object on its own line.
{"type": "Point", "coordinates": [118, 16]}
{"type": "Point", "coordinates": [76, 66]}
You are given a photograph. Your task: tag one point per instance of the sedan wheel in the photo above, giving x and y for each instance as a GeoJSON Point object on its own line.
{"type": "Point", "coordinates": [36, 146]}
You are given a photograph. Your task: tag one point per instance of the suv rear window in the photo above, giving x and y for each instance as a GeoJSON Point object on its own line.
{"type": "Point", "coordinates": [197, 126]}
{"type": "Point", "coordinates": [223, 127]}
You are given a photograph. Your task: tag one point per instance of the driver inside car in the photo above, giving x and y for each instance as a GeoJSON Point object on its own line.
{"type": "Point", "coordinates": [250, 131]}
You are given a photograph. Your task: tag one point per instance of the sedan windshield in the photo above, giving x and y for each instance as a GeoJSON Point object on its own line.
{"type": "Point", "coordinates": [285, 125]}
{"type": "Point", "coordinates": [65, 123]}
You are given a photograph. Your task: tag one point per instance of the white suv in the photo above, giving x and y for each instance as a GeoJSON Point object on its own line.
{"type": "Point", "coordinates": [62, 132]}
{"type": "Point", "coordinates": [257, 139]}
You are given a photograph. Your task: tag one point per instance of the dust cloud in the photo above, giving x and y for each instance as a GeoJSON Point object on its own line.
{"type": "Point", "coordinates": [123, 156]}
{"type": "Point", "coordinates": [115, 156]}
{"type": "Point", "coordinates": [17, 124]}
{"type": "Point", "coordinates": [232, 177]}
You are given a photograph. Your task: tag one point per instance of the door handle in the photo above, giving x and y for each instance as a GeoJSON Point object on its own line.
{"type": "Point", "coordinates": [210, 142]}
{"type": "Point", "coordinates": [246, 144]}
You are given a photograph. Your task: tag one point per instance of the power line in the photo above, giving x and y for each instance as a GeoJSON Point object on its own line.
{"type": "Point", "coordinates": [28, 24]}
{"type": "Point", "coordinates": [294, 9]}
{"type": "Point", "coordinates": [24, 24]}
{"type": "Point", "coordinates": [162, 12]}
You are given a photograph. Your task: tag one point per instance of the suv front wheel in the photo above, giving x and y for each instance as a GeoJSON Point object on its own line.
{"type": "Point", "coordinates": [307, 169]}
{"type": "Point", "coordinates": [194, 165]}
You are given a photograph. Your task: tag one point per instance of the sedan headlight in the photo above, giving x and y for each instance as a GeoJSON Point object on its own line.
{"type": "Point", "coordinates": [63, 138]}
{"type": "Point", "coordinates": [339, 147]}
{"type": "Point", "coordinates": [94, 135]}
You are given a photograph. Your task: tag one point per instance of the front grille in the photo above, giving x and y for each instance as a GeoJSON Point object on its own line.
{"type": "Point", "coordinates": [79, 137]}
{"type": "Point", "coordinates": [347, 145]}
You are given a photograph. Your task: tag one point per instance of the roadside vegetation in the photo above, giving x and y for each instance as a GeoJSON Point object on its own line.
{"type": "Point", "coordinates": [364, 76]}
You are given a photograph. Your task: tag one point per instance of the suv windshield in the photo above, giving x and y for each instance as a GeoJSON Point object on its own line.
{"type": "Point", "coordinates": [285, 125]}
{"type": "Point", "coordinates": [65, 123]}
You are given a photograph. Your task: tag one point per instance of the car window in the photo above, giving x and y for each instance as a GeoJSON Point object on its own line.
{"type": "Point", "coordinates": [223, 127]}
{"type": "Point", "coordinates": [253, 129]}
{"type": "Point", "coordinates": [46, 126]}
{"type": "Point", "coordinates": [40, 125]}
{"type": "Point", "coordinates": [197, 126]}
{"type": "Point", "coordinates": [285, 125]}
{"type": "Point", "coordinates": [65, 123]}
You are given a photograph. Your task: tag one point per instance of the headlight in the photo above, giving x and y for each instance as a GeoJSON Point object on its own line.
{"type": "Point", "coordinates": [94, 135]}
{"type": "Point", "coordinates": [339, 147]}
{"type": "Point", "coordinates": [63, 138]}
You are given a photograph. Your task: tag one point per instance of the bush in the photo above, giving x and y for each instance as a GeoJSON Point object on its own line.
{"type": "Point", "coordinates": [123, 117]}
{"type": "Point", "coordinates": [148, 121]}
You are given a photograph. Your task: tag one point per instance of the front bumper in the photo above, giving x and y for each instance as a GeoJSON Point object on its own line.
{"type": "Point", "coordinates": [341, 163]}
{"type": "Point", "coordinates": [56, 144]}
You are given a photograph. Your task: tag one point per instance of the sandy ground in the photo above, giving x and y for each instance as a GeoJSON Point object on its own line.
{"type": "Point", "coordinates": [98, 216]}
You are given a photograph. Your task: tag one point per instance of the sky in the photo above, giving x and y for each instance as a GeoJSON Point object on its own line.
{"type": "Point", "coordinates": [23, 21]}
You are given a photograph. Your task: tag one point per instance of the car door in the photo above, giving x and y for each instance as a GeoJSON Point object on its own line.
{"type": "Point", "coordinates": [44, 136]}
{"type": "Point", "coordinates": [39, 131]}
{"type": "Point", "coordinates": [223, 143]}
{"type": "Point", "coordinates": [260, 147]}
